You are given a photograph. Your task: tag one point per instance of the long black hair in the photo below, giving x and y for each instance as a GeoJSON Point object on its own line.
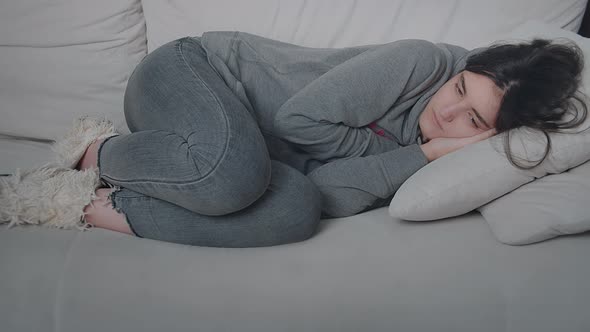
{"type": "Point", "coordinates": [540, 80]}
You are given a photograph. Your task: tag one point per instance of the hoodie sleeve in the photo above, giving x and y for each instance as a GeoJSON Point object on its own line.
{"type": "Point", "coordinates": [351, 186]}
{"type": "Point", "coordinates": [328, 118]}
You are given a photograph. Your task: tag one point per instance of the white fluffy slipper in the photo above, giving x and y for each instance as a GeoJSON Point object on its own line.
{"type": "Point", "coordinates": [84, 132]}
{"type": "Point", "coordinates": [47, 196]}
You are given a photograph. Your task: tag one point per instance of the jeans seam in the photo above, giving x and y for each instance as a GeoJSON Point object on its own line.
{"type": "Point", "coordinates": [180, 53]}
{"type": "Point", "coordinates": [104, 177]}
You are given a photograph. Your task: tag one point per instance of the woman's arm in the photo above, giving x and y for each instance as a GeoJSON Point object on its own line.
{"type": "Point", "coordinates": [351, 186]}
{"type": "Point", "coordinates": [328, 117]}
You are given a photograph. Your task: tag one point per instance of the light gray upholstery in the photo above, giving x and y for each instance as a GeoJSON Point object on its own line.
{"type": "Point", "coordinates": [361, 273]}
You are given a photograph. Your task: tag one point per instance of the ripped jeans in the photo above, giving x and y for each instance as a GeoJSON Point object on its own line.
{"type": "Point", "coordinates": [195, 169]}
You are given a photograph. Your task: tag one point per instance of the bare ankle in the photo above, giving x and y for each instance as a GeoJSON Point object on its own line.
{"type": "Point", "coordinates": [90, 157]}
{"type": "Point", "coordinates": [101, 214]}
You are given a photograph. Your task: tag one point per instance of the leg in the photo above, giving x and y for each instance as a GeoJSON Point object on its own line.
{"type": "Point", "coordinates": [289, 211]}
{"type": "Point", "coordinates": [193, 143]}
{"type": "Point", "coordinates": [102, 214]}
{"type": "Point", "coordinates": [90, 157]}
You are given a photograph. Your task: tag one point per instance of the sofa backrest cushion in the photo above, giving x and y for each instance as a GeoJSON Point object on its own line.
{"type": "Point", "coordinates": [61, 59]}
{"type": "Point", "coordinates": [341, 23]}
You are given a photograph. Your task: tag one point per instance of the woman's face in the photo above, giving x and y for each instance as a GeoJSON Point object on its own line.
{"type": "Point", "coordinates": [466, 105]}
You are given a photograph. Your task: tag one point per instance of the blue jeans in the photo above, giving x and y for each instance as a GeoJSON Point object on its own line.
{"type": "Point", "coordinates": [196, 169]}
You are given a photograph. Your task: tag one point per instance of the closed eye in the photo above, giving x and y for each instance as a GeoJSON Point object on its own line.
{"type": "Point", "coordinates": [474, 123]}
{"type": "Point", "coordinates": [461, 94]}
{"type": "Point", "coordinates": [458, 90]}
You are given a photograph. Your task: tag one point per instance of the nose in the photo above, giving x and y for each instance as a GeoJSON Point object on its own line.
{"type": "Point", "coordinates": [449, 112]}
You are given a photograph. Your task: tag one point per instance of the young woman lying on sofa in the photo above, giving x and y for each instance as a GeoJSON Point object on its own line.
{"type": "Point", "coordinates": [243, 141]}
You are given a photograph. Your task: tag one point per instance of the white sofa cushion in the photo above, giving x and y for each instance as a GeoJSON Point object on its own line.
{"type": "Point", "coordinates": [341, 23]}
{"type": "Point", "coordinates": [61, 59]}
{"type": "Point", "coordinates": [475, 175]}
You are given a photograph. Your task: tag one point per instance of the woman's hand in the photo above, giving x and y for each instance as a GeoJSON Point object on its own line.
{"type": "Point", "coordinates": [438, 147]}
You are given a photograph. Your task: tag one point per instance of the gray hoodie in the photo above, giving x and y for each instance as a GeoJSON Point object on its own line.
{"type": "Point", "coordinates": [345, 117]}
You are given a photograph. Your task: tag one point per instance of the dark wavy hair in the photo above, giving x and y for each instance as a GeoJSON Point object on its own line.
{"type": "Point", "coordinates": [540, 80]}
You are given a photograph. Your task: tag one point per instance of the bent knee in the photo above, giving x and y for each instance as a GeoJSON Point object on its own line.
{"type": "Point", "coordinates": [301, 205]}
{"type": "Point", "coordinates": [235, 186]}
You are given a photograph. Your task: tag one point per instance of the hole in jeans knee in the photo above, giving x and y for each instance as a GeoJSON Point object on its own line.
{"type": "Point", "coordinates": [110, 197]}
